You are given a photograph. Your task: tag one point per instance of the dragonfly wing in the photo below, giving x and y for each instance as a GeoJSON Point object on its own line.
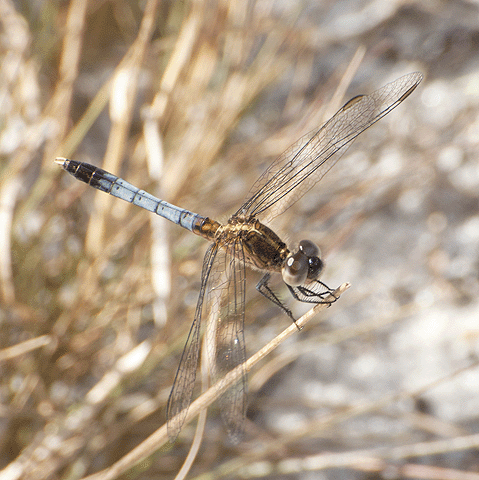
{"type": "Point", "coordinates": [182, 390]}
{"type": "Point", "coordinates": [226, 345]}
{"type": "Point", "coordinates": [309, 159]}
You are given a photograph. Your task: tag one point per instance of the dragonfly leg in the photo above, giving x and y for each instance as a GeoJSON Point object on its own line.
{"type": "Point", "coordinates": [310, 294]}
{"type": "Point", "coordinates": [266, 291]}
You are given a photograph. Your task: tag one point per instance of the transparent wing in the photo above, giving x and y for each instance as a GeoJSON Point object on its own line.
{"type": "Point", "coordinates": [222, 298]}
{"type": "Point", "coordinates": [309, 159]}
{"type": "Point", "coordinates": [226, 345]}
{"type": "Point", "coordinates": [182, 390]}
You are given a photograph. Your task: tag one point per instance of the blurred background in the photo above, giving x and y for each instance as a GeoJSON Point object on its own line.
{"type": "Point", "coordinates": [192, 101]}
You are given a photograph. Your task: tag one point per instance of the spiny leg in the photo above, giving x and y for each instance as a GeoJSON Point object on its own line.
{"type": "Point", "coordinates": [309, 295]}
{"type": "Point", "coordinates": [266, 291]}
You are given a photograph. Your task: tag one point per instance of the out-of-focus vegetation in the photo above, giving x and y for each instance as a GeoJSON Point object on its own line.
{"type": "Point", "coordinates": [191, 101]}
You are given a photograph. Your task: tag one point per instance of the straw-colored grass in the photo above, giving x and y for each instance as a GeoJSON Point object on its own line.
{"type": "Point", "coordinates": [191, 101]}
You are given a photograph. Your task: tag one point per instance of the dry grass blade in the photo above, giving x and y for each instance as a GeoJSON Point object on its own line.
{"type": "Point", "coordinates": [160, 437]}
{"type": "Point", "coordinates": [122, 100]}
{"type": "Point", "coordinates": [24, 347]}
{"type": "Point", "coordinates": [90, 336]}
{"type": "Point", "coordinates": [379, 459]}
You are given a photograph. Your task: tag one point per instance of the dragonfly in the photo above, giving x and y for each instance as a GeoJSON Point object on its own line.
{"type": "Point", "coordinates": [246, 240]}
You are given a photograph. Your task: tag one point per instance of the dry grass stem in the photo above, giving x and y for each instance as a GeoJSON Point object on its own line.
{"type": "Point", "coordinates": [192, 101]}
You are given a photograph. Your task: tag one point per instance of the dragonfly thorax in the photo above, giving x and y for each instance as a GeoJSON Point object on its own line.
{"type": "Point", "coordinates": [260, 247]}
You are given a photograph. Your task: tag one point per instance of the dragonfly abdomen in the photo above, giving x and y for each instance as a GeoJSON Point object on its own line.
{"type": "Point", "coordinates": [109, 183]}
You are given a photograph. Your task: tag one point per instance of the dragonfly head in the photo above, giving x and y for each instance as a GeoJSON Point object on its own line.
{"type": "Point", "coordinates": [305, 264]}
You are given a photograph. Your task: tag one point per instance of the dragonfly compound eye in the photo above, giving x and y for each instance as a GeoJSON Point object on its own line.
{"type": "Point", "coordinates": [315, 267]}
{"type": "Point", "coordinates": [309, 248]}
{"type": "Point", "coordinates": [315, 264]}
{"type": "Point", "coordinates": [295, 270]}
